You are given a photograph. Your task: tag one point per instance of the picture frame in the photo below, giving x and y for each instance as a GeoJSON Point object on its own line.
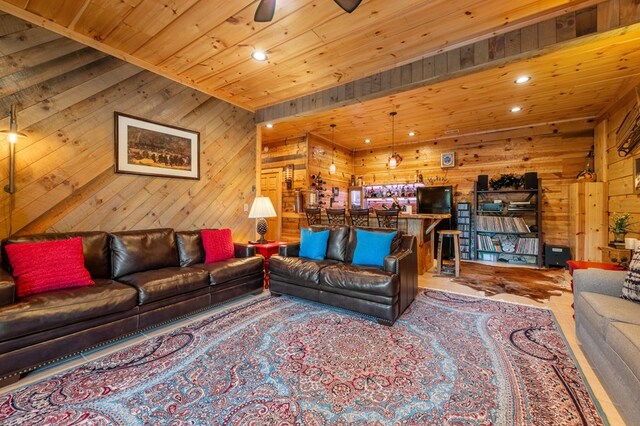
{"type": "Point", "coordinates": [447, 159]}
{"type": "Point", "coordinates": [145, 147]}
{"type": "Point", "coordinates": [636, 174]}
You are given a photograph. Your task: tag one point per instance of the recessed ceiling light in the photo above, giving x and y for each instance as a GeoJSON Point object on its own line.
{"type": "Point", "coordinates": [269, 125]}
{"type": "Point", "coordinates": [412, 133]}
{"type": "Point", "coordinates": [516, 109]}
{"type": "Point", "coordinates": [522, 79]}
{"type": "Point", "coordinates": [367, 141]}
{"type": "Point", "coordinates": [259, 55]}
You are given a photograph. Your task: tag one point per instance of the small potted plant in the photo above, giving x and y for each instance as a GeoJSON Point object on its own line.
{"type": "Point", "coordinates": [621, 225]}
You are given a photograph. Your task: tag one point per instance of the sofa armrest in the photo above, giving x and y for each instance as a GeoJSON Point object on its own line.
{"type": "Point", "coordinates": [396, 261]}
{"type": "Point", "coordinates": [244, 250]}
{"type": "Point", "coordinates": [289, 249]}
{"type": "Point", "coordinates": [7, 288]}
{"type": "Point", "coordinates": [598, 281]}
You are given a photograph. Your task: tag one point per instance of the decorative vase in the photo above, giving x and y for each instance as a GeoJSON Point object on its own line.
{"type": "Point", "coordinates": [618, 237]}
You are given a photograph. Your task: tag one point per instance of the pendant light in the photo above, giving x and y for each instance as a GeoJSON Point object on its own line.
{"type": "Point", "coordinates": [332, 167]}
{"type": "Point", "coordinates": [393, 163]}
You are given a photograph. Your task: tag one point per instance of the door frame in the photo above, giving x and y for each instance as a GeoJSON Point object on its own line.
{"type": "Point", "coordinates": [278, 206]}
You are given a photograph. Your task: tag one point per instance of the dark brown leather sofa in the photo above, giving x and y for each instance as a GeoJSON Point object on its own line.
{"type": "Point", "coordinates": [383, 293]}
{"type": "Point", "coordinates": [142, 278]}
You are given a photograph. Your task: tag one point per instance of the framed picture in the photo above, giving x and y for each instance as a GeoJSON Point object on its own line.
{"type": "Point", "coordinates": [144, 147]}
{"type": "Point", "coordinates": [636, 174]}
{"type": "Point", "coordinates": [447, 159]}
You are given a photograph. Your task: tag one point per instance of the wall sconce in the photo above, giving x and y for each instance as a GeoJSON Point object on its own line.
{"type": "Point", "coordinates": [12, 136]}
{"type": "Point", "coordinates": [288, 175]}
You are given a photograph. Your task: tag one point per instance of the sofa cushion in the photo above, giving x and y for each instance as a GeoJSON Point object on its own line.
{"type": "Point", "coordinates": [231, 269]}
{"type": "Point", "coordinates": [338, 242]}
{"type": "Point", "coordinates": [48, 265]}
{"type": "Point", "coordinates": [157, 284]}
{"type": "Point", "coordinates": [218, 244]}
{"type": "Point", "coordinates": [631, 286]}
{"type": "Point", "coordinates": [190, 249]}
{"type": "Point", "coordinates": [45, 311]}
{"type": "Point", "coordinates": [313, 245]}
{"type": "Point", "coordinates": [297, 269]}
{"type": "Point", "coordinates": [344, 276]}
{"type": "Point", "coordinates": [136, 251]}
{"type": "Point", "coordinates": [95, 247]}
{"type": "Point", "coordinates": [396, 242]}
{"type": "Point", "coordinates": [624, 339]}
{"type": "Point", "coordinates": [372, 247]}
{"type": "Point", "coordinates": [600, 309]}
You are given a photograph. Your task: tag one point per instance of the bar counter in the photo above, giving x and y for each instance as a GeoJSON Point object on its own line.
{"type": "Point", "coordinates": [421, 225]}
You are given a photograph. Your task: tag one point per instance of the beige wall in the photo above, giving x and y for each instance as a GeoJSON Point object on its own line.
{"type": "Point", "coordinates": [66, 95]}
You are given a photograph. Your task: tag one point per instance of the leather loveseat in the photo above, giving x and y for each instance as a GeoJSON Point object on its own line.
{"type": "Point", "coordinates": [381, 292]}
{"type": "Point", "coordinates": [142, 278]}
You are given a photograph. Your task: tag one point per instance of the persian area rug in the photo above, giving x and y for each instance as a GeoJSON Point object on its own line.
{"type": "Point", "coordinates": [536, 284]}
{"type": "Point", "coordinates": [449, 360]}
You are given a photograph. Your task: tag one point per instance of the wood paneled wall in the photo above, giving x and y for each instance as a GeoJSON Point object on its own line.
{"type": "Point", "coordinates": [620, 170]}
{"type": "Point", "coordinates": [321, 153]}
{"type": "Point", "coordinates": [310, 155]}
{"type": "Point", "coordinates": [557, 152]}
{"type": "Point", "coordinates": [277, 155]}
{"type": "Point", "coordinates": [66, 95]}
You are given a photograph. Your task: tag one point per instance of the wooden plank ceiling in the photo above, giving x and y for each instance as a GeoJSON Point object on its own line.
{"type": "Point", "coordinates": [576, 82]}
{"type": "Point", "coordinates": [312, 44]}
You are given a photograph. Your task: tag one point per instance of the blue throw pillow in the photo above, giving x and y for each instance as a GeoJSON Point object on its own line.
{"type": "Point", "coordinates": [313, 245]}
{"type": "Point", "coordinates": [372, 247]}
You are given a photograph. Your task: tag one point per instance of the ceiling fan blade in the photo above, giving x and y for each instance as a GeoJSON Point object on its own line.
{"type": "Point", "coordinates": [265, 11]}
{"type": "Point", "coordinates": [348, 5]}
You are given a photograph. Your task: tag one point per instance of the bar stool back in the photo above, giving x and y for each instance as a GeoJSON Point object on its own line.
{"type": "Point", "coordinates": [359, 217]}
{"type": "Point", "coordinates": [336, 216]}
{"type": "Point", "coordinates": [448, 233]}
{"type": "Point", "coordinates": [388, 218]}
{"type": "Point", "coordinates": [314, 216]}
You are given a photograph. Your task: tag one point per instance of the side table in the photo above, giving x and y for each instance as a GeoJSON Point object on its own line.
{"type": "Point", "coordinates": [266, 250]}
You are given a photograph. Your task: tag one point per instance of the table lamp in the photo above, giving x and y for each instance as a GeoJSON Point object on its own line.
{"type": "Point", "coordinates": [260, 209]}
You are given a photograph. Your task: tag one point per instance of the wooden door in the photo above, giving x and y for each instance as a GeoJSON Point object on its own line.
{"type": "Point", "coordinates": [271, 186]}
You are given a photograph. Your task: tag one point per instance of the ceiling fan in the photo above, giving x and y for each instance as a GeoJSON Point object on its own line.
{"type": "Point", "coordinates": [266, 8]}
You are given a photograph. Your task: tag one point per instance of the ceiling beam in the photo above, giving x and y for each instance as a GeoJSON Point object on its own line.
{"type": "Point", "coordinates": [545, 36]}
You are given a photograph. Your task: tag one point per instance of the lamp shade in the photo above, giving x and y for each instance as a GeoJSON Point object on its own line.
{"type": "Point", "coordinates": [262, 207]}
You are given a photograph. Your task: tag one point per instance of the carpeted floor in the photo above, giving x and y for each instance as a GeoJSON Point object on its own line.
{"type": "Point", "coordinates": [450, 359]}
{"type": "Point", "coordinates": [536, 284]}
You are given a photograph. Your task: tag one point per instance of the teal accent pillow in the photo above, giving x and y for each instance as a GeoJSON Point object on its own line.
{"type": "Point", "coordinates": [313, 245]}
{"type": "Point", "coordinates": [372, 247]}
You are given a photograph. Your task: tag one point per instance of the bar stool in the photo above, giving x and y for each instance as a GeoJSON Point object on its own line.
{"type": "Point", "coordinates": [359, 217]}
{"type": "Point", "coordinates": [336, 216]}
{"type": "Point", "coordinates": [388, 218]}
{"type": "Point", "coordinates": [314, 216]}
{"type": "Point", "coordinates": [456, 243]}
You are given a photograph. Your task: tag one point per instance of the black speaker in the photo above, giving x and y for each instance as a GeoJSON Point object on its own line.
{"type": "Point", "coordinates": [556, 255]}
{"type": "Point", "coordinates": [483, 182]}
{"type": "Point", "coordinates": [531, 180]}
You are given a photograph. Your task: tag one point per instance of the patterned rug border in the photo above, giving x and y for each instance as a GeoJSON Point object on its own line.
{"type": "Point", "coordinates": [265, 296]}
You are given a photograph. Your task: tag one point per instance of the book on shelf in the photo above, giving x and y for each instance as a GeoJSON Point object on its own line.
{"type": "Point", "coordinates": [502, 224]}
{"type": "Point", "coordinates": [527, 246]}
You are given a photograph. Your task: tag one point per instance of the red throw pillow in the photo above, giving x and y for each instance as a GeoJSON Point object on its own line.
{"type": "Point", "coordinates": [218, 244]}
{"type": "Point", "coordinates": [48, 265]}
